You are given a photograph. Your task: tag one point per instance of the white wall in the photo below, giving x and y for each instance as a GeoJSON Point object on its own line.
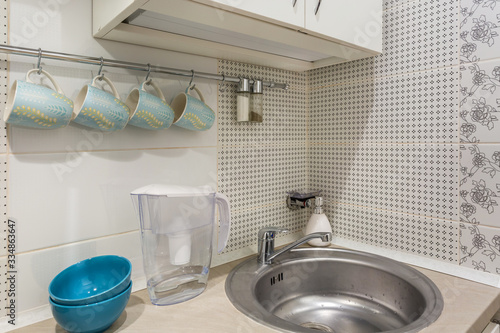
{"type": "Point", "coordinates": [69, 188]}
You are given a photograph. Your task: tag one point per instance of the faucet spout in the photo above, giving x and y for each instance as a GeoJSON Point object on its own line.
{"type": "Point", "coordinates": [267, 253]}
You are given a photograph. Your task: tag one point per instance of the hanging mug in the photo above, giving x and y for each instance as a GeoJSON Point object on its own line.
{"type": "Point", "coordinates": [99, 109]}
{"type": "Point", "coordinates": [33, 105]}
{"type": "Point", "coordinates": [192, 113]}
{"type": "Point", "coordinates": [147, 110]}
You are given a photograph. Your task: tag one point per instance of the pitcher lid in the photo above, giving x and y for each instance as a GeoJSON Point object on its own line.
{"type": "Point", "coordinates": [173, 190]}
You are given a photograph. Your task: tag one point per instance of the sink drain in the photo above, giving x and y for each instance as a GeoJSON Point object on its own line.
{"type": "Point", "coordinates": [317, 326]}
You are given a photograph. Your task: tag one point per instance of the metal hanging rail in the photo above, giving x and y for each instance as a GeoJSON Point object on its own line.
{"type": "Point", "coordinates": [126, 65]}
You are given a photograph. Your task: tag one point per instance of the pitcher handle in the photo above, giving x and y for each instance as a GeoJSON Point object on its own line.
{"type": "Point", "coordinates": [225, 220]}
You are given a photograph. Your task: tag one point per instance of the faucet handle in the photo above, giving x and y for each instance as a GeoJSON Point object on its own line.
{"type": "Point", "coordinates": [268, 233]}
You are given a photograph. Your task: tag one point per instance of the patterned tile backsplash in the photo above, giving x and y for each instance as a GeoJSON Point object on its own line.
{"type": "Point", "coordinates": [418, 36]}
{"type": "Point", "coordinates": [479, 30]}
{"type": "Point", "coordinates": [413, 107]}
{"type": "Point", "coordinates": [480, 247]}
{"type": "Point", "coordinates": [259, 162]}
{"type": "Point", "coordinates": [418, 179]}
{"type": "Point", "coordinates": [414, 234]}
{"type": "Point", "coordinates": [404, 145]}
{"type": "Point", "coordinates": [480, 101]}
{"type": "Point", "coordinates": [480, 184]}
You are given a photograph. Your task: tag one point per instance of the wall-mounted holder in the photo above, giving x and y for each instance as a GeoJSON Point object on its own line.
{"type": "Point", "coordinates": [298, 200]}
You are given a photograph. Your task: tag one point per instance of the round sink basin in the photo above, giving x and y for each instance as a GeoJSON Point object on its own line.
{"type": "Point", "coordinates": [332, 290]}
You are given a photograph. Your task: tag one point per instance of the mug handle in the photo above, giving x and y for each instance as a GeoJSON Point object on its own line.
{"type": "Point", "coordinates": [54, 83]}
{"type": "Point", "coordinates": [108, 81]}
{"type": "Point", "coordinates": [193, 87]}
{"type": "Point", "coordinates": [155, 86]}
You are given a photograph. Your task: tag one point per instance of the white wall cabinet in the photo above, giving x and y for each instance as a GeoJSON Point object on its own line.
{"type": "Point", "coordinates": [279, 33]}
{"type": "Point", "coordinates": [285, 12]}
{"type": "Point", "coordinates": [356, 22]}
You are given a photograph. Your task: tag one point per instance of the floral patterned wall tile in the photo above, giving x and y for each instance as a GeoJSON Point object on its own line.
{"type": "Point", "coordinates": [480, 184]}
{"type": "Point", "coordinates": [480, 247]}
{"type": "Point", "coordinates": [479, 30]}
{"type": "Point", "coordinates": [480, 101]}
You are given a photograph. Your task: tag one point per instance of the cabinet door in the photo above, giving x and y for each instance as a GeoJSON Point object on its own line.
{"type": "Point", "coordinates": [355, 22]}
{"type": "Point", "coordinates": [282, 12]}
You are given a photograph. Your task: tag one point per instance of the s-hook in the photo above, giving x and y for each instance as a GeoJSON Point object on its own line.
{"type": "Point", "coordinates": [147, 79]}
{"type": "Point", "coordinates": [100, 69]}
{"type": "Point", "coordinates": [38, 65]}
{"type": "Point", "coordinates": [220, 84]}
{"type": "Point", "coordinates": [191, 81]}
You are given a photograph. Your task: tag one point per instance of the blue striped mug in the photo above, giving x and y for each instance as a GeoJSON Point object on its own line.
{"type": "Point", "coordinates": [99, 109]}
{"type": "Point", "coordinates": [147, 110]}
{"type": "Point", "coordinates": [33, 105]}
{"type": "Point", "coordinates": [192, 113]}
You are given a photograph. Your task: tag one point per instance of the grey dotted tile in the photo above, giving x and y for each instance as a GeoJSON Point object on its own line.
{"type": "Point", "coordinates": [417, 107]}
{"type": "Point", "coordinates": [259, 176]}
{"type": "Point", "coordinates": [480, 247]}
{"type": "Point", "coordinates": [424, 236]}
{"type": "Point", "coordinates": [285, 112]}
{"type": "Point", "coordinates": [246, 224]}
{"type": "Point", "coordinates": [362, 69]}
{"type": "Point", "coordinates": [416, 179]}
{"type": "Point", "coordinates": [418, 35]}
{"type": "Point", "coordinates": [388, 4]}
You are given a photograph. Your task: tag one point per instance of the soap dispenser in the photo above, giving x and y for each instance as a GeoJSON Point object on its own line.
{"type": "Point", "coordinates": [318, 223]}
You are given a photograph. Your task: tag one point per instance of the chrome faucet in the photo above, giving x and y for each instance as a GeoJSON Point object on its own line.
{"type": "Point", "coordinates": [266, 253]}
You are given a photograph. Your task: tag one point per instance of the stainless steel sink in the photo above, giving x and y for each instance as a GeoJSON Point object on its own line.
{"type": "Point", "coordinates": [332, 290]}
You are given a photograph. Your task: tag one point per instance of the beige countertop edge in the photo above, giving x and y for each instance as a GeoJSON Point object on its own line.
{"type": "Point", "coordinates": [468, 308]}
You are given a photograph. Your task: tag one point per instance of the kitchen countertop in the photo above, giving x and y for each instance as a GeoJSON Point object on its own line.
{"type": "Point", "coordinates": [468, 307]}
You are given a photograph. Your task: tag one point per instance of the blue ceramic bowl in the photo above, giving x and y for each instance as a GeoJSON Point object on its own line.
{"type": "Point", "coordinates": [90, 318]}
{"type": "Point", "coordinates": [91, 280]}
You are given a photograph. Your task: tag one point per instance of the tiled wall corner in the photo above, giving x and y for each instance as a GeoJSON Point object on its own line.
{"type": "Point", "coordinates": [425, 236]}
{"type": "Point", "coordinates": [417, 36]}
{"type": "Point", "coordinates": [418, 179]}
{"type": "Point", "coordinates": [259, 162]}
{"type": "Point", "coordinates": [412, 107]}
{"type": "Point", "coordinates": [480, 135]}
{"type": "Point", "coordinates": [384, 139]}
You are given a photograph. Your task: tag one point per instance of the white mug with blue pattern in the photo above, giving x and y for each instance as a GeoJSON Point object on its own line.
{"type": "Point", "coordinates": [192, 113]}
{"type": "Point", "coordinates": [147, 110]}
{"type": "Point", "coordinates": [99, 109]}
{"type": "Point", "coordinates": [33, 105]}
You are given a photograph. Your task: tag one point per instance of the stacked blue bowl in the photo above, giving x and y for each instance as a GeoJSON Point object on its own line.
{"type": "Point", "coordinates": [90, 295]}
